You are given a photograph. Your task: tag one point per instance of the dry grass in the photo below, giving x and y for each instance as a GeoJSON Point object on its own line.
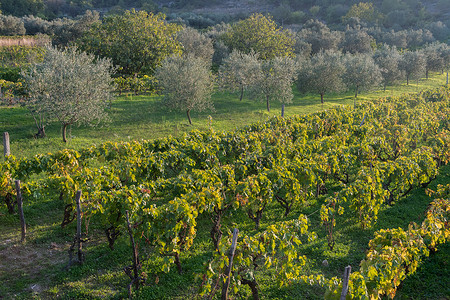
{"type": "Point", "coordinates": [24, 41]}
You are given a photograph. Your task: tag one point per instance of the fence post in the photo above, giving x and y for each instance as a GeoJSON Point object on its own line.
{"type": "Point", "coordinates": [228, 272]}
{"type": "Point", "coordinates": [6, 148]}
{"type": "Point", "coordinates": [77, 201]}
{"type": "Point", "coordinates": [135, 254]}
{"type": "Point", "coordinates": [347, 272]}
{"type": "Point", "coordinates": [20, 208]}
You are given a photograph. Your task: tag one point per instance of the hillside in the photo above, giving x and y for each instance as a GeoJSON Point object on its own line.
{"type": "Point", "coordinates": [391, 14]}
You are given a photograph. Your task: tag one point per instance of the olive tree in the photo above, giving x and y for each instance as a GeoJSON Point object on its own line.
{"type": "Point", "coordinates": [322, 74]}
{"type": "Point", "coordinates": [196, 43]}
{"type": "Point", "coordinates": [274, 81]}
{"type": "Point", "coordinates": [434, 59]}
{"type": "Point", "coordinates": [239, 71]}
{"type": "Point", "coordinates": [187, 83]}
{"type": "Point", "coordinates": [356, 40]}
{"type": "Point", "coordinates": [361, 72]}
{"type": "Point", "coordinates": [70, 87]}
{"type": "Point", "coordinates": [388, 58]}
{"type": "Point", "coordinates": [319, 36]}
{"type": "Point", "coordinates": [445, 53]}
{"type": "Point", "coordinates": [413, 63]}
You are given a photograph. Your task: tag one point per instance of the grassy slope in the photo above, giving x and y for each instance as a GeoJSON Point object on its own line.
{"type": "Point", "coordinates": [35, 268]}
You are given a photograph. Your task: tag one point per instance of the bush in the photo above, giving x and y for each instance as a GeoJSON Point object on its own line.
{"type": "Point", "coordinates": [10, 25]}
{"type": "Point", "coordinates": [137, 85]}
{"type": "Point", "coordinates": [10, 90]}
{"type": "Point", "coordinates": [10, 73]}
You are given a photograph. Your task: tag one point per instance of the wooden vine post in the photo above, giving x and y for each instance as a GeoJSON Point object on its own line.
{"type": "Point", "coordinates": [20, 208]}
{"type": "Point", "coordinates": [347, 272]}
{"type": "Point", "coordinates": [6, 148]}
{"type": "Point", "coordinates": [135, 277]}
{"type": "Point", "coordinates": [228, 271]}
{"type": "Point", "coordinates": [77, 240]}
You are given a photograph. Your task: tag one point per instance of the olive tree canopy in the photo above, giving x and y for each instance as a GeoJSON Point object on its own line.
{"type": "Point", "coordinates": [387, 59]}
{"type": "Point", "coordinates": [69, 87]}
{"type": "Point", "coordinates": [322, 74]}
{"type": "Point", "coordinates": [187, 83]}
{"type": "Point", "coordinates": [361, 72]}
{"type": "Point", "coordinates": [274, 81]}
{"type": "Point", "coordinates": [413, 64]}
{"type": "Point", "coordinates": [239, 71]}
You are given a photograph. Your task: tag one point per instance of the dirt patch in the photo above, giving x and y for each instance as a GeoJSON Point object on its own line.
{"type": "Point", "coordinates": [27, 265]}
{"type": "Point", "coordinates": [25, 41]}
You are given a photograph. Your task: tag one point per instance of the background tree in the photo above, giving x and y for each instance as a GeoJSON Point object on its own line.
{"type": "Point", "coordinates": [361, 72]}
{"type": "Point", "coordinates": [274, 81]}
{"type": "Point", "coordinates": [336, 12]}
{"type": "Point", "coordinates": [301, 47]}
{"type": "Point", "coordinates": [239, 71]}
{"type": "Point", "coordinates": [434, 59]}
{"type": "Point", "coordinates": [364, 11]}
{"type": "Point", "coordinates": [187, 83]}
{"type": "Point", "coordinates": [322, 74]}
{"type": "Point", "coordinates": [221, 51]}
{"type": "Point", "coordinates": [413, 63]}
{"type": "Point", "coordinates": [439, 30]}
{"type": "Point", "coordinates": [388, 59]}
{"type": "Point", "coordinates": [260, 34]}
{"type": "Point", "coordinates": [69, 86]}
{"type": "Point", "coordinates": [34, 25]}
{"type": "Point", "coordinates": [196, 43]}
{"type": "Point", "coordinates": [419, 37]}
{"type": "Point", "coordinates": [356, 40]}
{"type": "Point", "coordinates": [319, 36]}
{"type": "Point", "coordinates": [21, 8]}
{"type": "Point", "coordinates": [71, 30]}
{"type": "Point", "coordinates": [284, 14]}
{"type": "Point", "coordinates": [136, 42]}
{"type": "Point", "coordinates": [10, 25]}
{"type": "Point", "coordinates": [445, 53]}
{"type": "Point", "coordinates": [395, 38]}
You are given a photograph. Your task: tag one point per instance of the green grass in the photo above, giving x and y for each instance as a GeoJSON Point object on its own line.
{"type": "Point", "coordinates": [35, 269]}
{"type": "Point", "coordinates": [144, 117]}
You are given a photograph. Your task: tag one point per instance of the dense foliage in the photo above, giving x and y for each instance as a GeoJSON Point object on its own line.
{"type": "Point", "coordinates": [260, 34]}
{"type": "Point", "coordinates": [136, 42]}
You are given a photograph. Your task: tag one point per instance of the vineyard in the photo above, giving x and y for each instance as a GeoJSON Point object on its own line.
{"type": "Point", "coordinates": [172, 204]}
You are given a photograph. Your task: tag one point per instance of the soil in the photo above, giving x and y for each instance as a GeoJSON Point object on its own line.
{"type": "Point", "coordinates": [28, 264]}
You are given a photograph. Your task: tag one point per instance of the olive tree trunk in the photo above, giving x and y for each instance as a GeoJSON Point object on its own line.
{"type": "Point", "coordinates": [64, 131]}
{"type": "Point", "coordinates": [188, 113]}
